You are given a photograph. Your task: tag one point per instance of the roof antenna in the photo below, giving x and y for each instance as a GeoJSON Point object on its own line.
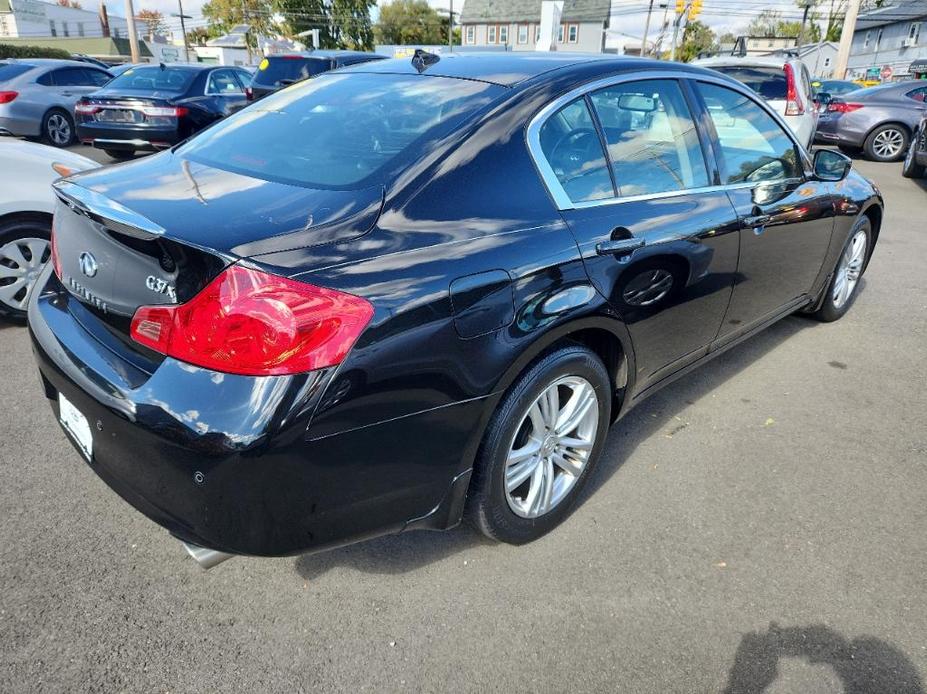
{"type": "Point", "coordinates": [422, 60]}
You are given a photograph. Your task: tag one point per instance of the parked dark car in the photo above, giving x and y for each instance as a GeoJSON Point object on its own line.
{"type": "Point", "coordinates": [825, 90]}
{"type": "Point", "coordinates": [278, 71]}
{"type": "Point", "coordinates": [915, 159]}
{"type": "Point", "coordinates": [878, 120]}
{"type": "Point", "coordinates": [153, 107]}
{"type": "Point", "coordinates": [408, 292]}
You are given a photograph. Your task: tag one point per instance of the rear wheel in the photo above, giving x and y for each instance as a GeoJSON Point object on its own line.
{"type": "Point", "coordinates": [120, 154]}
{"type": "Point", "coordinates": [24, 250]}
{"type": "Point", "coordinates": [540, 446]}
{"type": "Point", "coordinates": [58, 128]}
{"type": "Point", "coordinates": [841, 292]}
{"type": "Point", "coordinates": [887, 143]}
{"type": "Point", "coordinates": [910, 168]}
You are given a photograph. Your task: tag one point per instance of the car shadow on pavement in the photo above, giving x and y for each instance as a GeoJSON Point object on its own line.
{"type": "Point", "coordinates": [396, 554]}
{"type": "Point", "coordinates": [865, 665]}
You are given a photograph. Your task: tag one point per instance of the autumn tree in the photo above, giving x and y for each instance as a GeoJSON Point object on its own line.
{"type": "Point", "coordinates": [256, 14]}
{"type": "Point", "coordinates": [154, 20]}
{"type": "Point", "coordinates": [410, 22]}
{"type": "Point", "coordinates": [73, 4]}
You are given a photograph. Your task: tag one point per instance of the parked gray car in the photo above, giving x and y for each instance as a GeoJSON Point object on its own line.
{"type": "Point", "coordinates": [37, 97]}
{"type": "Point", "coordinates": [878, 120]}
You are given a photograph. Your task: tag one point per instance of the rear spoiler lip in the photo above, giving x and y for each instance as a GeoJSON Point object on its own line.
{"type": "Point", "coordinates": [101, 209]}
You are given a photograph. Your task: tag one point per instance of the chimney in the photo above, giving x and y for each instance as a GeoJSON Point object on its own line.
{"type": "Point", "coordinates": [104, 20]}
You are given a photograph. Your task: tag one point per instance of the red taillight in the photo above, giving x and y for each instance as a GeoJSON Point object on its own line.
{"type": "Point", "coordinates": [7, 97]}
{"type": "Point", "coordinates": [842, 107]}
{"type": "Point", "coordinates": [253, 323]}
{"type": "Point", "coordinates": [86, 109]}
{"type": "Point", "coordinates": [291, 57]}
{"type": "Point", "coordinates": [56, 261]}
{"type": "Point", "coordinates": [793, 104]}
{"type": "Point", "coordinates": [249, 95]}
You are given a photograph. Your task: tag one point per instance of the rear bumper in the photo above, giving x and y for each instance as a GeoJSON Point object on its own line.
{"type": "Point", "coordinates": [227, 462]}
{"type": "Point", "coordinates": [127, 137]}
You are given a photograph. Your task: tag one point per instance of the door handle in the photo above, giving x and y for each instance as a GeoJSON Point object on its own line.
{"type": "Point", "coordinates": [619, 247]}
{"type": "Point", "coordinates": [754, 221]}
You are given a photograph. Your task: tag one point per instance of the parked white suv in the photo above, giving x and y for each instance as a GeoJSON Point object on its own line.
{"type": "Point", "coordinates": [783, 82]}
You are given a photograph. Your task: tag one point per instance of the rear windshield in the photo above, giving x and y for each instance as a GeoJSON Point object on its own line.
{"type": "Point", "coordinates": [278, 72]}
{"type": "Point", "coordinates": [155, 79]}
{"type": "Point", "coordinates": [338, 130]}
{"type": "Point", "coordinates": [10, 70]}
{"type": "Point", "coordinates": [768, 82]}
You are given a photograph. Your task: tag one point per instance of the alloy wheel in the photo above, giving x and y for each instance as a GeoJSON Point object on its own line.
{"type": "Point", "coordinates": [21, 261]}
{"type": "Point", "coordinates": [551, 446]}
{"type": "Point", "coordinates": [648, 287]}
{"type": "Point", "coordinates": [850, 268]}
{"type": "Point", "coordinates": [888, 143]}
{"type": "Point", "coordinates": [58, 129]}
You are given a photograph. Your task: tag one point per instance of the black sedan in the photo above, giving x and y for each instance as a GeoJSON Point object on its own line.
{"type": "Point", "coordinates": [278, 71]}
{"type": "Point", "coordinates": [153, 107]}
{"type": "Point", "coordinates": [411, 292]}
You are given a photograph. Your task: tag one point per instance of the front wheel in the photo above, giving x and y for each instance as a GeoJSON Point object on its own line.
{"type": "Point", "coordinates": [540, 446]}
{"type": "Point", "coordinates": [887, 143]}
{"type": "Point", "coordinates": [24, 250]}
{"type": "Point", "coordinates": [844, 283]}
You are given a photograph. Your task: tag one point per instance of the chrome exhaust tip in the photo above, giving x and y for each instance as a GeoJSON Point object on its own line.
{"type": "Point", "coordinates": [207, 558]}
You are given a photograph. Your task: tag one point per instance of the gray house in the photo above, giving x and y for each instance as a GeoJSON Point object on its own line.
{"type": "Point", "coordinates": [819, 57]}
{"type": "Point", "coordinates": [516, 24]}
{"type": "Point", "coordinates": [893, 36]}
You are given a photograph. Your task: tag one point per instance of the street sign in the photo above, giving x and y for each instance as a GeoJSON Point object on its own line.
{"type": "Point", "coordinates": [886, 73]}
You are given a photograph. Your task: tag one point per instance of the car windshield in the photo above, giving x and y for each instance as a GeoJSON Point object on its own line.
{"type": "Point", "coordinates": [9, 71]}
{"type": "Point", "coordinates": [338, 130]}
{"type": "Point", "coordinates": [276, 72]}
{"type": "Point", "coordinates": [768, 82]}
{"type": "Point", "coordinates": [155, 79]}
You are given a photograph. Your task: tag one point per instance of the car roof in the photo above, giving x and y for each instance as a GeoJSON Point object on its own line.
{"type": "Point", "coordinates": [327, 54]}
{"type": "Point", "coordinates": [748, 60]}
{"type": "Point", "coordinates": [508, 69]}
{"type": "Point", "coordinates": [50, 62]}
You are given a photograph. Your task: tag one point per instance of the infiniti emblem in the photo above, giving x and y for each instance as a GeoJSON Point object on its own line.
{"type": "Point", "coordinates": [88, 264]}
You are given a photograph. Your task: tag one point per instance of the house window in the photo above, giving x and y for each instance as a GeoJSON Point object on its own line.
{"type": "Point", "coordinates": [64, 29]}
{"type": "Point", "coordinates": [80, 28]}
{"type": "Point", "coordinates": [522, 33]}
{"type": "Point", "coordinates": [914, 31]}
{"type": "Point", "coordinates": [52, 27]}
{"type": "Point", "coordinates": [573, 33]}
{"type": "Point", "coordinates": [867, 39]}
{"type": "Point", "coordinates": [471, 34]}
{"type": "Point", "coordinates": [826, 62]}
{"type": "Point", "coordinates": [504, 34]}
{"type": "Point", "coordinates": [537, 33]}
{"type": "Point", "coordinates": [491, 35]}
{"type": "Point", "coordinates": [560, 34]}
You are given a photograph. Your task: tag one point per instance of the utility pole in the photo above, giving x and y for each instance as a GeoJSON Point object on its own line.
{"type": "Point", "coordinates": [244, 19]}
{"type": "Point", "coordinates": [682, 13]}
{"type": "Point", "coordinates": [806, 4]}
{"type": "Point", "coordinates": [846, 39]}
{"type": "Point", "coordinates": [450, 26]}
{"type": "Point", "coordinates": [183, 30]}
{"type": "Point", "coordinates": [646, 30]}
{"type": "Point", "coordinates": [133, 37]}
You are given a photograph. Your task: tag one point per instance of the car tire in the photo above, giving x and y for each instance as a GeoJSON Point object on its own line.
{"type": "Point", "coordinates": [887, 142]}
{"type": "Point", "coordinates": [844, 282]}
{"type": "Point", "coordinates": [849, 151]}
{"type": "Point", "coordinates": [120, 154]}
{"type": "Point", "coordinates": [58, 128]}
{"type": "Point", "coordinates": [910, 168]}
{"type": "Point", "coordinates": [519, 446]}
{"type": "Point", "coordinates": [24, 250]}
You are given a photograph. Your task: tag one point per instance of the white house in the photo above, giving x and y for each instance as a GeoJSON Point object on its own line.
{"type": "Point", "coordinates": [34, 19]}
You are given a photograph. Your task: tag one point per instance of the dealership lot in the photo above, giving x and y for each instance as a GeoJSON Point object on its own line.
{"type": "Point", "coordinates": [761, 520]}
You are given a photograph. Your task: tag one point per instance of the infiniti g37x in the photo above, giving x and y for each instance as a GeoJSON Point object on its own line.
{"type": "Point", "coordinates": [415, 291]}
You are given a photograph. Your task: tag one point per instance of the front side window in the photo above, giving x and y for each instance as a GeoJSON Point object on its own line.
{"type": "Point", "coordinates": [339, 130]}
{"type": "Point", "coordinates": [754, 146]}
{"type": "Point", "coordinates": [573, 150]}
{"type": "Point", "coordinates": [653, 145]}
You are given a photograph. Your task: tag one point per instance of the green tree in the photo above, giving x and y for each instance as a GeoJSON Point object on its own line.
{"type": "Point", "coordinates": [770, 23]}
{"type": "Point", "coordinates": [306, 15]}
{"type": "Point", "coordinates": [697, 38]}
{"type": "Point", "coordinates": [200, 35]}
{"type": "Point", "coordinates": [153, 20]}
{"type": "Point", "coordinates": [410, 22]}
{"type": "Point", "coordinates": [351, 26]}
{"type": "Point", "coordinates": [257, 14]}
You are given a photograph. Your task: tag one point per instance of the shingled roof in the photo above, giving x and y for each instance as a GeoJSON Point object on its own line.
{"type": "Point", "coordinates": [485, 11]}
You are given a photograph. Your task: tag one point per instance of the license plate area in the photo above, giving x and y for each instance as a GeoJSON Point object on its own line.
{"type": "Point", "coordinates": [76, 425]}
{"type": "Point", "coordinates": [118, 115]}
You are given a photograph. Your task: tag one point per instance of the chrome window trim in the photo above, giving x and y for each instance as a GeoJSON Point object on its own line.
{"type": "Point", "coordinates": [558, 194]}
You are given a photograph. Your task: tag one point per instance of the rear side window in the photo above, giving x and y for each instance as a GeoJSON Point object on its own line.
{"type": "Point", "coordinates": [9, 71]}
{"type": "Point", "coordinates": [653, 145]}
{"type": "Point", "coordinates": [919, 94]}
{"type": "Point", "coordinates": [753, 145]}
{"type": "Point", "coordinates": [222, 82]}
{"type": "Point", "coordinates": [154, 79]}
{"type": "Point", "coordinates": [339, 130]}
{"type": "Point", "coordinates": [768, 82]}
{"type": "Point", "coordinates": [281, 71]}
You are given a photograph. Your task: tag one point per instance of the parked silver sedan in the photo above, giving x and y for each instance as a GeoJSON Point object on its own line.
{"type": "Point", "coordinates": [37, 97]}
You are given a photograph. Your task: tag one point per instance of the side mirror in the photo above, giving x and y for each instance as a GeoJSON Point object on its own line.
{"type": "Point", "coordinates": [824, 98]}
{"type": "Point", "coordinates": [830, 165]}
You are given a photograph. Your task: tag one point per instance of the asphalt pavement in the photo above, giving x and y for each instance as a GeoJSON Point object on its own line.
{"type": "Point", "coordinates": [757, 526]}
